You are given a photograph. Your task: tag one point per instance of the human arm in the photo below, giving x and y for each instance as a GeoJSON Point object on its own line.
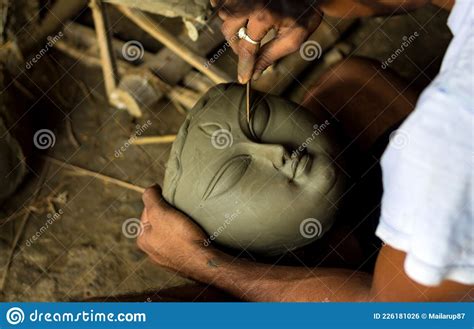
{"type": "Point", "coordinates": [293, 29]}
{"type": "Point", "coordinates": [175, 242]}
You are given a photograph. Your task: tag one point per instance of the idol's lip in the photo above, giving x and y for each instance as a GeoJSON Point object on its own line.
{"type": "Point", "coordinates": [301, 165]}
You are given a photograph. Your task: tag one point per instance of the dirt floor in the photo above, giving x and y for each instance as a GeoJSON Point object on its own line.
{"type": "Point", "coordinates": [83, 252]}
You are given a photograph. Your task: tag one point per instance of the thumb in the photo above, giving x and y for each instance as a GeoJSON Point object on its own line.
{"type": "Point", "coordinates": [153, 199]}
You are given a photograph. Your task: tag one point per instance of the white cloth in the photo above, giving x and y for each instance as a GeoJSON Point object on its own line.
{"type": "Point", "coordinates": [428, 169]}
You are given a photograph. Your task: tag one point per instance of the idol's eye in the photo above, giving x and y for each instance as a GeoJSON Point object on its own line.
{"type": "Point", "coordinates": [227, 176]}
{"type": "Point", "coordinates": [259, 119]}
{"type": "Point", "coordinates": [210, 129]}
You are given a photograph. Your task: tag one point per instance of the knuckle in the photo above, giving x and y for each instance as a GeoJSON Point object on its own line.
{"type": "Point", "coordinates": [154, 202]}
{"type": "Point", "coordinates": [262, 16]}
{"type": "Point", "coordinates": [226, 29]}
{"type": "Point", "coordinates": [223, 15]}
{"type": "Point", "coordinates": [293, 45]}
{"type": "Point", "coordinates": [147, 194]}
{"type": "Point", "coordinates": [265, 60]}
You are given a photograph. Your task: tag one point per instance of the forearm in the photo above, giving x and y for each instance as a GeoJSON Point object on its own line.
{"type": "Point", "coordinates": [261, 282]}
{"type": "Point", "coordinates": [173, 241]}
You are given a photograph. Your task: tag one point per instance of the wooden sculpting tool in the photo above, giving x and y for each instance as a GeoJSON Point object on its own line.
{"type": "Point", "coordinates": [248, 103]}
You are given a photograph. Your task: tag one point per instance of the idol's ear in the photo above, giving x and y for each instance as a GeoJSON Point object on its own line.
{"type": "Point", "coordinates": [227, 176]}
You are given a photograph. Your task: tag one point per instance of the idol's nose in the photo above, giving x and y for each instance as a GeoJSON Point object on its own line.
{"type": "Point", "coordinates": [275, 153]}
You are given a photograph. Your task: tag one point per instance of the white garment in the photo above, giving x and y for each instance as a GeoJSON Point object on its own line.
{"type": "Point", "coordinates": [428, 169]}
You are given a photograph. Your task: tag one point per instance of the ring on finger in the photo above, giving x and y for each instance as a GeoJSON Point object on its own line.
{"type": "Point", "coordinates": [242, 34]}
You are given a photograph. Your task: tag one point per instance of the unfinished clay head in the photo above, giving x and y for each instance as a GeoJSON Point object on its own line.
{"type": "Point", "coordinates": [267, 187]}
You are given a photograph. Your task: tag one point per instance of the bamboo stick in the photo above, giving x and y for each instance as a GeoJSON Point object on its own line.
{"type": "Point", "coordinates": [168, 40]}
{"type": "Point", "coordinates": [183, 96]}
{"type": "Point", "coordinates": [90, 173]}
{"type": "Point", "coordinates": [103, 37]}
{"type": "Point", "coordinates": [165, 139]}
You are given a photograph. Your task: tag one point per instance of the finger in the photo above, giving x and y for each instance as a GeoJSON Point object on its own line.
{"type": "Point", "coordinates": [145, 224]}
{"type": "Point", "coordinates": [278, 48]}
{"type": "Point", "coordinates": [144, 218]}
{"type": "Point", "coordinates": [257, 27]}
{"type": "Point", "coordinates": [229, 28]}
{"type": "Point", "coordinates": [223, 14]}
{"type": "Point", "coordinates": [151, 195]}
{"type": "Point", "coordinates": [142, 242]}
{"type": "Point", "coordinates": [154, 202]}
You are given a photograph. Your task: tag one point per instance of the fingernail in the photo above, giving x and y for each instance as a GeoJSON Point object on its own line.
{"type": "Point", "coordinates": [241, 80]}
{"type": "Point", "coordinates": [256, 75]}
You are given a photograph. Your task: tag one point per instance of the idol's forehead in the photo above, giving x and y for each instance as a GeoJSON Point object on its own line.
{"type": "Point", "coordinates": [227, 102]}
{"type": "Point", "coordinates": [221, 100]}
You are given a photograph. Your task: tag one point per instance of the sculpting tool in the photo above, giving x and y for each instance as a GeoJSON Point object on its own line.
{"type": "Point", "coordinates": [248, 103]}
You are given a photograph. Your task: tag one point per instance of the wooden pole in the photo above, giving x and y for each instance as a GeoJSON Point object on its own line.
{"type": "Point", "coordinates": [106, 54]}
{"type": "Point", "coordinates": [165, 139]}
{"type": "Point", "coordinates": [183, 96]}
{"type": "Point", "coordinates": [86, 172]}
{"type": "Point", "coordinates": [168, 40]}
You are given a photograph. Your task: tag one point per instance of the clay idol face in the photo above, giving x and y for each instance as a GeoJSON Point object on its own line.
{"type": "Point", "coordinates": [267, 187]}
